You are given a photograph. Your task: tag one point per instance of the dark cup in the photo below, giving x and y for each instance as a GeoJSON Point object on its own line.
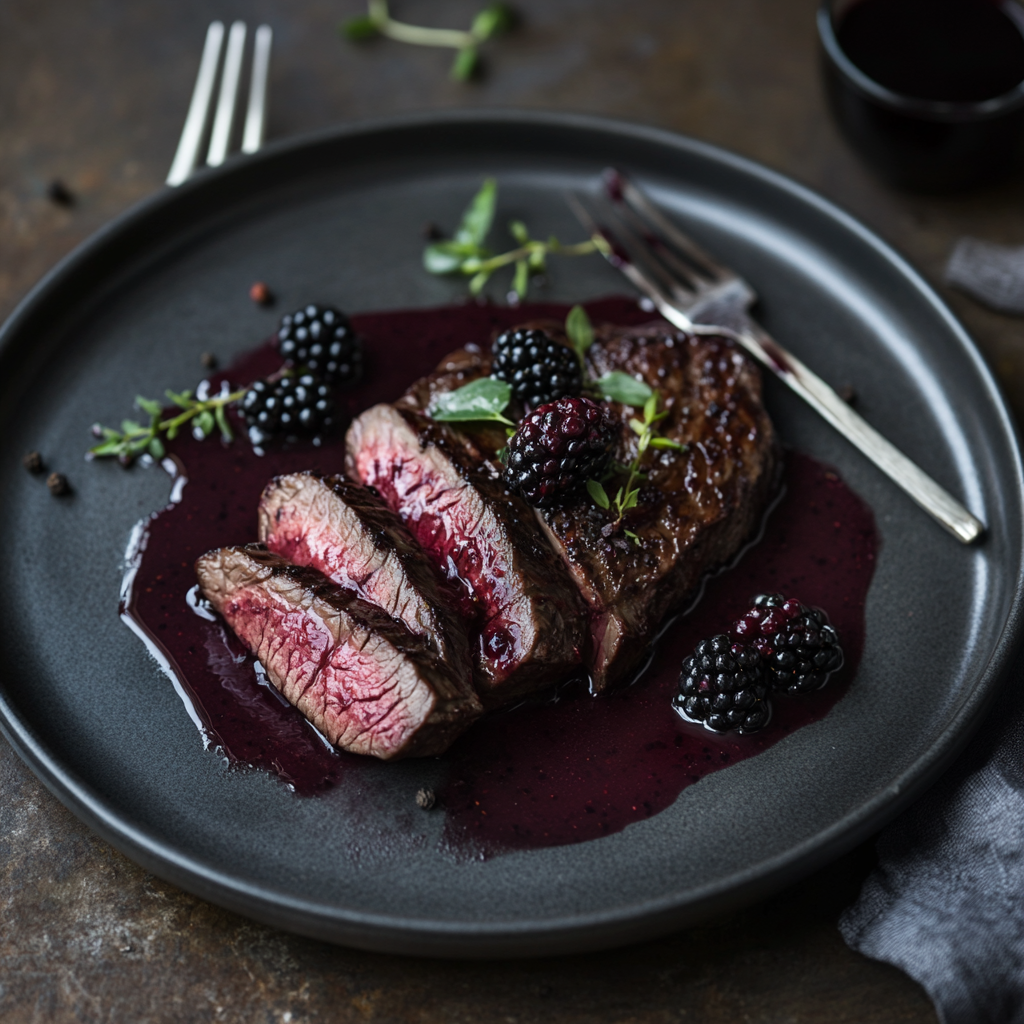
{"type": "Point", "coordinates": [929, 145]}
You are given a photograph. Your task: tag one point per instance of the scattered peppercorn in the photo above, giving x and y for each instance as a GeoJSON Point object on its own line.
{"type": "Point", "coordinates": [847, 394]}
{"type": "Point", "coordinates": [33, 462]}
{"type": "Point", "coordinates": [57, 192]}
{"type": "Point", "coordinates": [431, 232]}
{"type": "Point", "coordinates": [426, 799]}
{"type": "Point", "coordinates": [208, 361]}
{"type": "Point", "coordinates": [58, 484]}
{"type": "Point", "coordinates": [261, 294]}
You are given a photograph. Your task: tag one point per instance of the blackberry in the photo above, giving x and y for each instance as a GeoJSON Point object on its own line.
{"type": "Point", "coordinates": [799, 646]}
{"type": "Point", "coordinates": [320, 339]}
{"type": "Point", "coordinates": [556, 449]}
{"type": "Point", "coordinates": [537, 368]}
{"type": "Point", "coordinates": [300, 404]}
{"type": "Point", "coordinates": [723, 686]}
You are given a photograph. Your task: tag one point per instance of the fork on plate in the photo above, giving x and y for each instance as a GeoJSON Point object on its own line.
{"type": "Point", "coordinates": [194, 133]}
{"type": "Point", "coordinates": [693, 291]}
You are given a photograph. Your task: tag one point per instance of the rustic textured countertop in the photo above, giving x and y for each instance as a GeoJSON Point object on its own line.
{"type": "Point", "coordinates": [94, 93]}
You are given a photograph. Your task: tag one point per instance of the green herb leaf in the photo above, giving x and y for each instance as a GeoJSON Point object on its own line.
{"type": "Point", "coordinates": [222, 422]}
{"type": "Point", "coordinates": [621, 387]}
{"type": "Point", "coordinates": [637, 427]}
{"type": "Point", "coordinates": [359, 29]}
{"type": "Point", "coordinates": [479, 215]}
{"type": "Point", "coordinates": [492, 20]}
{"type": "Point", "coordinates": [597, 492]}
{"type": "Point", "coordinates": [107, 447]}
{"type": "Point", "coordinates": [183, 399]}
{"type": "Point", "coordinates": [205, 423]}
{"type": "Point", "coordinates": [147, 405]}
{"type": "Point", "coordinates": [131, 427]}
{"type": "Point", "coordinates": [156, 448]}
{"type": "Point", "coordinates": [665, 442]}
{"type": "Point", "coordinates": [477, 282]}
{"type": "Point", "coordinates": [631, 499]}
{"type": "Point", "coordinates": [632, 536]}
{"type": "Point", "coordinates": [444, 257]}
{"type": "Point", "coordinates": [521, 282]}
{"type": "Point", "coordinates": [465, 65]}
{"type": "Point", "coordinates": [651, 407]}
{"type": "Point", "coordinates": [579, 330]}
{"type": "Point", "coordinates": [483, 399]}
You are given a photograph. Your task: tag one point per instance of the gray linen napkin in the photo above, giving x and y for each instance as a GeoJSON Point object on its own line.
{"type": "Point", "coordinates": [946, 902]}
{"type": "Point", "coordinates": [993, 274]}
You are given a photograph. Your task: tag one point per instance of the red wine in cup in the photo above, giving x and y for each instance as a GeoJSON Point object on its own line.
{"type": "Point", "coordinates": [960, 51]}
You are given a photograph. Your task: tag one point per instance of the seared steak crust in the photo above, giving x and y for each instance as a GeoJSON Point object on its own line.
{"type": "Point", "coordinates": [367, 683]}
{"type": "Point", "coordinates": [695, 509]}
{"type": "Point", "coordinates": [347, 533]}
{"type": "Point", "coordinates": [447, 489]}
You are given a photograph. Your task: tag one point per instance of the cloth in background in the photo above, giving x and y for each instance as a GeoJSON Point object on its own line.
{"type": "Point", "coordinates": [992, 274]}
{"type": "Point", "coordinates": [946, 902]}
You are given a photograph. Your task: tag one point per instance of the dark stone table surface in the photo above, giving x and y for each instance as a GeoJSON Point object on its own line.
{"type": "Point", "coordinates": [94, 93]}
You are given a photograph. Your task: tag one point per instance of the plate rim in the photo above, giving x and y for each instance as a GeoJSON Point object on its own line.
{"type": "Point", "coordinates": [577, 932]}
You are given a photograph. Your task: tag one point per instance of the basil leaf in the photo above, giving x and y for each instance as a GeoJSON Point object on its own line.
{"type": "Point", "coordinates": [621, 387]}
{"type": "Point", "coordinates": [580, 331]}
{"type": "Point", "coordinates": [483, 399]}
{"type": "Point", "coordinates": [479, 215]}
{"type": "Point", "coordinates": [596, 491]}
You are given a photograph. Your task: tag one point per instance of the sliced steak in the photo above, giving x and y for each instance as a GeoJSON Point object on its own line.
{"type": "Point", "coordinates": [367, 683]}
{"type": "Point", "coordinates": [447, 488]}
{"type": "Point", "coordinates": [353, 538]}
{"type": "Point", "coordinates": [695, 509]}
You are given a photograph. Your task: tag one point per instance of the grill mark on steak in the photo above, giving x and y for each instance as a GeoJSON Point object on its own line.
{"type": "Point", "coordinates": [447, 488]}
{"type": "Point", "coordinates": [367, 683]}
{"type": "Point", "coordinates": [347, 533]}
{"type": "Point", "coordinates": [695, 509]}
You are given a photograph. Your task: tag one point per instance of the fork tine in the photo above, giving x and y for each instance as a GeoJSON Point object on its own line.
{"type": "Point", "coordinates": [255, 117]}
{"type": "Point", "coordinates": [220, 137]}
{"type": "Point", "coordinates": [187, 154]}
{"type": "Point", "coordinates": [617, 255]}
{"type": "Point", "coordinates": [618, 184]}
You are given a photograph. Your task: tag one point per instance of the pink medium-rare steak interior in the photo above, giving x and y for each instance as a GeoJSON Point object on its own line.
{"type": "Point", "coordinates": [347, 533]}
{"type": "Point", "coordinates": [367, 683]}
{"type": "Point", "coordinates": [530, 619]}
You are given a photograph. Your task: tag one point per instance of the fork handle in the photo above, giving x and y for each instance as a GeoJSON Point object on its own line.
{"type": "Point", "coordinates": [935, 500]}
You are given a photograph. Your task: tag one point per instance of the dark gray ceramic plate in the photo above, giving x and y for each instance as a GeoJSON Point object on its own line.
{"type": "Point", "coordinates": [338, 217]}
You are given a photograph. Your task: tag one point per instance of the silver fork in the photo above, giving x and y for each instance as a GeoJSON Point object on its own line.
{"type": "Point", "coordinates": [187, 156]}
{"type": "Point", "coordinates": [687, 285]}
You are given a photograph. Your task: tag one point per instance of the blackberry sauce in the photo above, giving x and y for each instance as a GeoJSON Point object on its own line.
{"type": "Point", "coordinates": [561, 768]}
{"type": "Point", "coordinates": [958, 51]}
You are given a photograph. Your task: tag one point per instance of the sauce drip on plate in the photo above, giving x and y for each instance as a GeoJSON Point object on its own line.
{"type": "Point", "coordinates": [561, 768]}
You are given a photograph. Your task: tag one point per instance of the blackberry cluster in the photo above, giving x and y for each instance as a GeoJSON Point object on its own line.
{"type": "Point", "coordinates": [799, 646]}
{"type": "Point", "coordinates": [536, 367]}
{"type": "Point", "coordinates": [556, 449]}
{"type": "Point", "coordinates": [722, 685]}
{"type": "Point", "coordinates": [320, 339]}
{"type": "Point", "coordinates": [300, 404]}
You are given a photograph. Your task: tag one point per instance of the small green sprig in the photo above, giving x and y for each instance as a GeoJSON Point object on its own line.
{"type": "Point", "coordinates": [135, 439]}
{"type": "Point", "coordinates": [628, 495]}
{"type": "Point", "coordinates": [465, 253]}
{"type": "Point", "coordinates": [615, 386]}
{"type": "Point", "coordinates": [484, 399]}
{"type": "Point", "coordinates": [489, 22]}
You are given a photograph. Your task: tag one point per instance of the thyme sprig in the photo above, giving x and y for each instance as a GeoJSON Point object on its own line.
{"type": "Point", "coordinates": [465, 253]}
{"type": "Point", "coordinates": [135, 439]}
{"type": "Point", "coordinates": [489, 21]}
{"type": "Point", "coordinates": [628, 495]}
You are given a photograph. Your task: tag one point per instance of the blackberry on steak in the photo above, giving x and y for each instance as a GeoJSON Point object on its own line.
{"type": "Point", "coordinates": [290, 405]}
{"type": "Point", "coordinates": [320, 339]}
{"type": "Point", "coordinates": [535, 366]}
{"type": "Point", "coordinates": [799, 647]}
{"type": "Point", "coordinates": [556, 449]}
{"type": "Point", "coordinates": [723, 686]}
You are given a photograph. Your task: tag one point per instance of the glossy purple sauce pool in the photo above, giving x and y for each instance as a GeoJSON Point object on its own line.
{"type": "Point", "coordinates": [563, 768]}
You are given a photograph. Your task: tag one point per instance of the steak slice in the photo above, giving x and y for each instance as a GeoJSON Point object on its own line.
{"type": "Point", "coordinates": [447, 489]}
{"type": "Point", "coordinates": [347, 533]}
{"type": "Point", "coordinates": [695, 509]}
{"type": "Point", "coordinates": [367, 683]}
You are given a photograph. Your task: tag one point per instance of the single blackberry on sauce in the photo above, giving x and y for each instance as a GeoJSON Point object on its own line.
{"type": "Point", "coordinates": [799, 647]}
{"type": "Point", "coordinates": [320, 339]}
{"type": "Point", "coordinates": [556, 449]}
{"type": "Point", "coordinates": [723, 686]}
{"type": "Point", "coordinates": [537, 368]}
{"type": "Point", "coordinates": [291, 405]}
